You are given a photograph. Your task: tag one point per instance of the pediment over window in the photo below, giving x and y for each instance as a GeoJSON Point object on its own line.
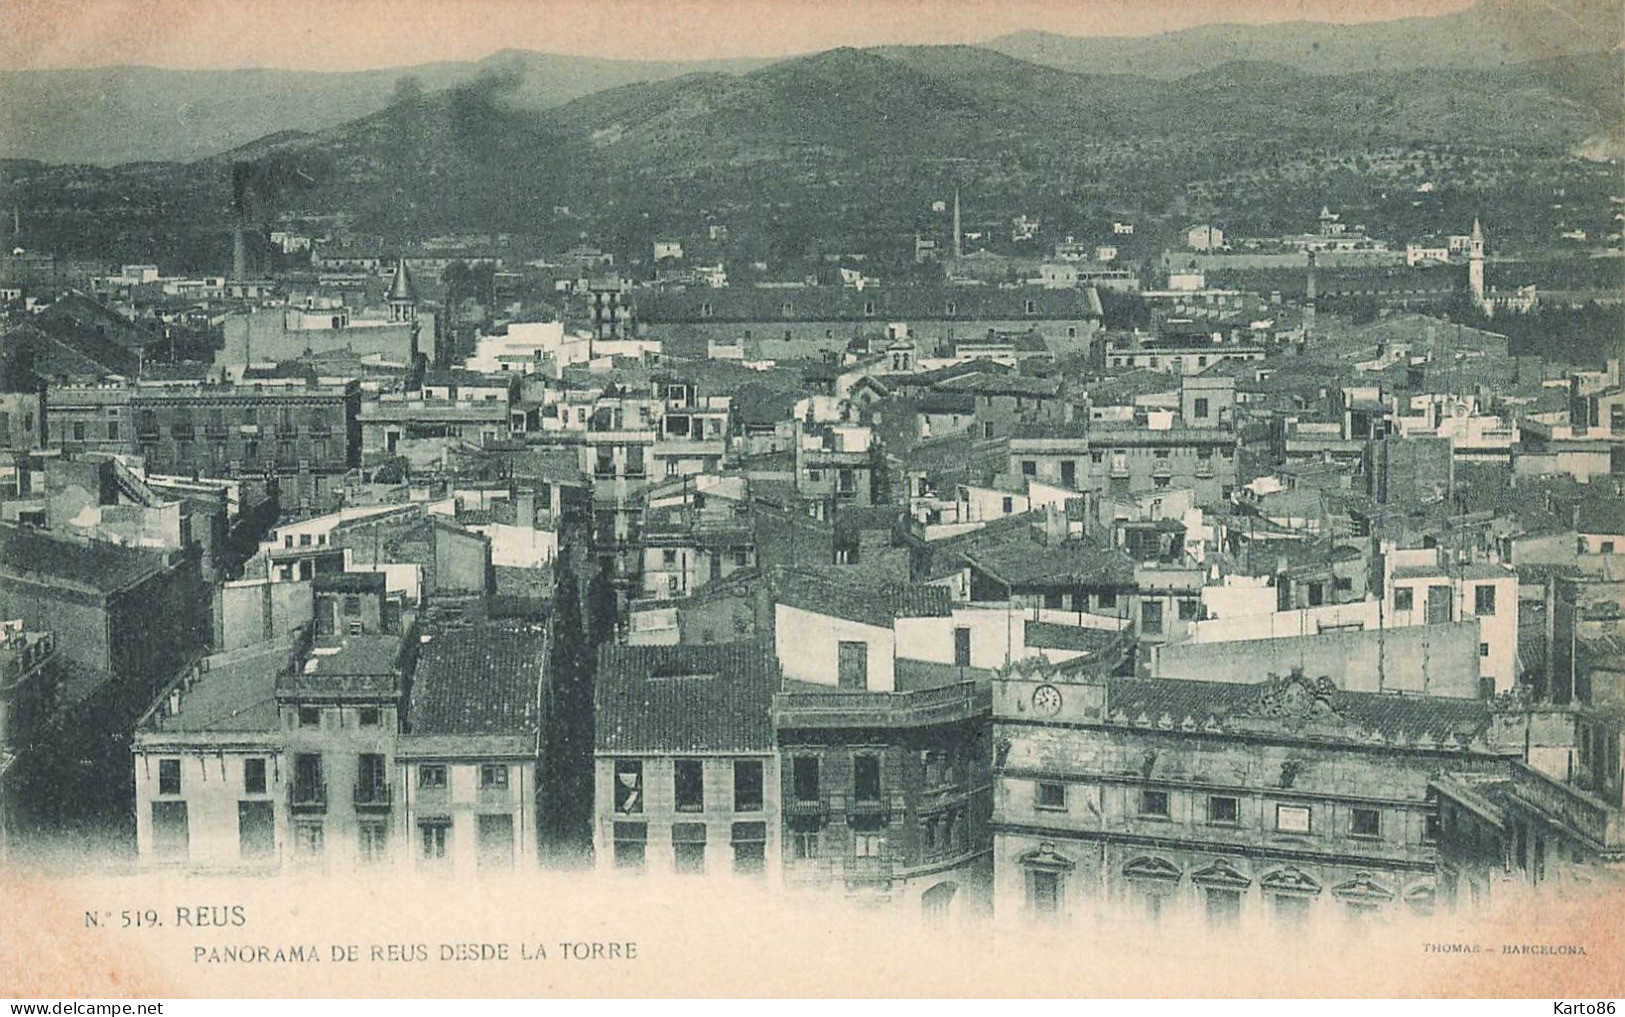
{"type": "Point", "coordinates": [1290, 879]}
{"type": "Point", "coordinates": [1421, 896]}
{"type": "Point", "coordinates": [1046, 857]}
{"type": "Point", "coordinates": [1150, 867]}
{"type": "Point", "coordinates": [1363, 888]}
{"type": "Point", "coordinates": [1221, 873]}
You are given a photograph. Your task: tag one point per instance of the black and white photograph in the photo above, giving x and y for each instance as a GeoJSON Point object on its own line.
{"type": "Point", "coordinates": [763, 498]}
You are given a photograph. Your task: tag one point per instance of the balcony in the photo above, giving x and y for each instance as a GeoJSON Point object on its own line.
{"type": "Point", "coordinates": [867, 873]}
{"type": "Point", "coordinates": [374, 797]}
{"type": "Point", "coordinates": [877, 808]}
{"type": "Point", "coordinates": [307, 798]}
{"type": "Point", "coordinates": [806, 807]}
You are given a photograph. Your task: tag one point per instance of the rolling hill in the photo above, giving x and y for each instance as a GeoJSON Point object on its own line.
{"type": "Point", "coordinates": [107, 116]}
{"type": "Point", "coordinates": [1487, 35]}
{"type": "Point", "coordinates": [846, 139]}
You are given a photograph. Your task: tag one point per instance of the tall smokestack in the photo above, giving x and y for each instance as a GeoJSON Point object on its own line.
{"type": "Point", "coordinates": [958, 232]}
{"type": "Point", "coordinates": [239, 235]}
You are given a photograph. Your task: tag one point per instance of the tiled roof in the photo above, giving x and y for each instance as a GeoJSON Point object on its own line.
{"type": "Point", "coordinates": [1601, 515]}
{"type": "Point", "coordinates": [480, 680]}
{"type": "Point", "coordinates": [1006, 550]}
{"type": "Point", "coordinates": [1055, 636]}
{"type": "Point", "coordinates": [236, 694]}
{"type": "Point", "coordinates": [760, 404]}
{"type": "Point", "coordinates": [870, 604]}
{"type": "Point", "coordinates": [96, 564]}
{"type": "Point", "coordinates": [1004, 384]}
{"type": "Point", "coordinates": [693, 698]}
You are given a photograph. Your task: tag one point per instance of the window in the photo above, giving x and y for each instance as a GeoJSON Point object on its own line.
{"type": "Point", "coordinates": [1009, 505]}
{"type": "Point", "coordinates": [355, 628]}
{"type": "Point", "coordinates": [1029, 468]}
{"type": "Point", "coordinates": [804, 840]}
{"type": "Point", "coordinates": [493, 777]}
{"type": "Point", "coordinates": [308, 786]}
{"type": "Point", "coordinates": [962, 647]}
{"type": "Point", "coordinates": [1108, 599]}
{"type": "Point", "coordinates": [309, 841]}
{"type": "Point", "coordinates": [253, 776]}
{"type": "Point", "coordinates": [493, 836]}
{"type": "Point", "coordinates": [1044, 891]}
{"type": "Point", "coordinates": [1154, 804]}
{"type": "Point", "coordinates": [852, 665]}
{"type": "Point", "coordinates": [631, 840]}
{"type": "Point", "coordinates": [1051, 796]}
{"type": "Point", "coordinates": [368, 716]}
{"type": "Point", "coordinates": [1201, 408]}
{"type": "Point", "coordinates": [628, 786]}
{"type": "Point", "coordinates": [256, 830]}
{"type": "Point", "coordinates": [1188, 610]}
{"type": "Point", "coordinates": [1430, 828]}
{"type": "Point", "coordinates": [433, 839]}
{"type": "Point", "coordinates": [1292, 818]}
{"type": "Point", "coordinates": [1404, 598]}
{"type": "Point", "coordinates": [1290, 910]}
{"type": "Point", "coordinates": [1366, 823]}
{"type": "Point", "coordinates": [170, 832]}
{"type": "Point", "coordinates": [1483, 649]}
{"type": "Point", "coordinates": [372, 841]}
{"type": "Point", "coordinates": [169, 776]}
{"type": "Point", "coordinates": [78, 430]}
{"type": "Point", "coordinates": [1223, 810]}
{"type": "Point", "coordinates": [371, 779]}
{"type": "Point", "coordinates": [310, 716]}
{"type": "Point", "coordinates": [1221, 906]}
{"type": "Point", "coordinates": [747, 785]}
{"type": "Point", "coordinates": [688, 848]}
{"type": "Point", "coordinates": [352, 606]}
{"type": "Point", "coordinates": [804, 778]}
{"type": "Point", "coordinates": [432, 776]}
{"type": "Point", "coordinates": [1151, 618]}
{"type": "Point", "coordinates": [1484, 600]}
{"type": "Point", "coordinates": [866, 778]}
{"type": "Point", "coordinates": [867, 845]}
{"type": "Point", "coordinates": [689, 784]}
{"type": "Point", "coordinates": [750, 848]}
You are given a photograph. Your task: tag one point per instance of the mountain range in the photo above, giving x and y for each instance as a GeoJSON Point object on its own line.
{"type": "Point", "coordinates": [108, 116]}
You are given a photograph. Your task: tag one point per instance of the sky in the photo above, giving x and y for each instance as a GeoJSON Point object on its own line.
{"type": "Point", "coordinates": [336, 35]}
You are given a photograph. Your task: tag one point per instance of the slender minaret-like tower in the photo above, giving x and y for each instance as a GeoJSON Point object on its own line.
{"type": "Point", "coordinates": [958, 232]}
{"type": "Point", "coordinates": [1475, 263]}
{"type": "Point", "coordinates": [1309, 301]}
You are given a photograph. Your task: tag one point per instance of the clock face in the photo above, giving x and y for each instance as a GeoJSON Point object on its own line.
{"type": "Point", "coordinates": [1047, 700]}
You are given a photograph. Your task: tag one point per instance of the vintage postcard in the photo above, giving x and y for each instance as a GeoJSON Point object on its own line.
{"type": "Point", "coordinates": [514, 498]}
